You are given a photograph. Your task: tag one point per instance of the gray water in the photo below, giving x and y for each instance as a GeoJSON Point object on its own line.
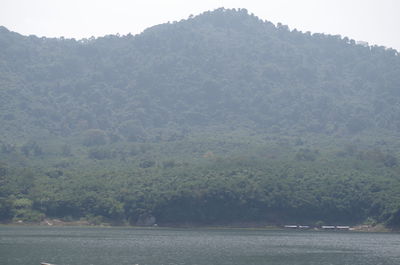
{"type": "Point", "coordinates": [100, 246]}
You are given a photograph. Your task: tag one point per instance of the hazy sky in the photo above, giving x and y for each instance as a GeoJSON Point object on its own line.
{"type": "Point", "coordinates": [375, 21]}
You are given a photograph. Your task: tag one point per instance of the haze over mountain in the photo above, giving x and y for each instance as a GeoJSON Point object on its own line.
{"type": "Point", "coordinates": [219, 118]}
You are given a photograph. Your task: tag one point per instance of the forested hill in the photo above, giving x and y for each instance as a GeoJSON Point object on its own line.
{"type": "Point", "coordinates": [221, 117]}
{"type": "Point", "coordinates": [224, 68]}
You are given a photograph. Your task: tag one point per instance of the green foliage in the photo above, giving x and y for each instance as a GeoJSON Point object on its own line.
{"type": "Point", "coordinates": [141, 88]}
{"type": "Point", "coordinates": [394, 219]}
{"type": "Point", "coordinates": [94, 137]}
{"type": "Point", "coordinates": [31, 148]}
{"type": "Point", "coordinates": [28, 215]}
{"type": "Point", "coordinates": [306, 155]}
{"type": "Point", "coordinates": [219, 118]}
{"type": "Point", "coordinates": [7, 148]}
{"type": "Point", "coordinates": [5, 209]}
{"type": "Point", "coordinates": [66, 150]}
{"type": "Point", "coordinates": [100, 153]}
{"type": "Point", "coordinates": [3, 169]}
{"type": "Point", "coordinates": [132, 131]}
{"type": "Point", "coordinates": [22, 211]}
{"type": "Point", "coordinates": [22, 203]}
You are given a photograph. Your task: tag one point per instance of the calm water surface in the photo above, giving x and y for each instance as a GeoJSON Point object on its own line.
{"type": "Point", "coordinates": [101, 246]}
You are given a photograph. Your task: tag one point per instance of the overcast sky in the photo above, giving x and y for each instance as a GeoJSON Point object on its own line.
{"type": "Point", "coordinates": [374, 21]}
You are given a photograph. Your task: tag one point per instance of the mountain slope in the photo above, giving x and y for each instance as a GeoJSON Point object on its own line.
{"type": "Point", "coordinates": [221, 117]}
{"type": "Point", "coordinates": [223, 67]}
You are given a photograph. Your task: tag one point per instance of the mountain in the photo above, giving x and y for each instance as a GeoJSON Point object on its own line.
{"type": "Point", "coordinates": [219, 111]}
{"type": "Point", "coordinates": [221, 68]}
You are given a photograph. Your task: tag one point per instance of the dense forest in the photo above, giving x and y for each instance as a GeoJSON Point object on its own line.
{"type": "Point", "coordinates": [217, 119]}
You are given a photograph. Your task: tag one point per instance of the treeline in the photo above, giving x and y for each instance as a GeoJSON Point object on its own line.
{"type": "Point", "coordinates": [297, 185]}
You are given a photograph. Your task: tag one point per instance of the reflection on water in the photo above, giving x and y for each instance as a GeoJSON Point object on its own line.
{"type": "Point", "coordinates": [157, 246]}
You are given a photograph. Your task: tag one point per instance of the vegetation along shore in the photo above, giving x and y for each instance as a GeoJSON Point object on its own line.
{"type": "Point", "coordinates": [222, 118]}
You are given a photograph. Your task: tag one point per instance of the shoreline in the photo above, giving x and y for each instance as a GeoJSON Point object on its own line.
{"type": "Point", "coordinates": [379, 228]}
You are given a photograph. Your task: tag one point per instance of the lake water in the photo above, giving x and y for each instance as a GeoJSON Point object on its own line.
{"type": "Point", "coordinates": [26, 245]}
